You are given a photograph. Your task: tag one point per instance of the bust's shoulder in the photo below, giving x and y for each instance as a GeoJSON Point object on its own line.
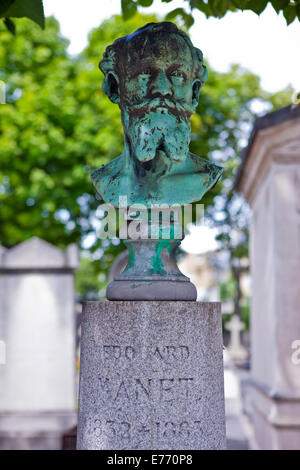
{"type": "Point", "coordinates": [201, 164]}
{"type": "Point", "coordinates": [110, 170]}
{"type": "Point", "coordinates": [208, 172]}
{"type": "Point", "coordinates": [106, 180]}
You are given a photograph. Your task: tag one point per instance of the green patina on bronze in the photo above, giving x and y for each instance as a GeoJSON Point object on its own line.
{"type": "Point", "coordinates": [149, 258]}
{"type": "Point", "coordinates": [131, 257]}
{"type": "Point", "coordinates": [158, 265]}
{"type": "Point", "coordinates": [155, 75]}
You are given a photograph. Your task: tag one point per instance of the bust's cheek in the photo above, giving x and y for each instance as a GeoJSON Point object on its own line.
{"type": "Point", "coordinates": [136, 88]}
{"type": "Point", "coordinates": [183, 93]}
{"type": "Point", "coordinates": [142, 86]}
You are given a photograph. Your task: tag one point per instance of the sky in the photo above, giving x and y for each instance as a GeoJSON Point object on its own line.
{"type": "Point", "coordinates": [263, 44]}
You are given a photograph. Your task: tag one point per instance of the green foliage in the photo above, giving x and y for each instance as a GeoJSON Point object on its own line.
{"type": "Point", "coordinates": [36, 126]}
{"type": "Point", "coordinates": [291, 12]}
{"type": "Point", "coordinates": [180, 13]}
{"type": "Point", "coordinates": [32, 9]}
{"type": "Point", "coordinates": [4, 5]}
{"type": "Point", "coordinates": [89, 279]}
{"type": "Point", "coordinates": [228, 292]}
{"type": "Point", "coordinates": [245, 313]}
{"type": "Point", "coordinates": [245, 317]}
{"type": "Point", "coordinates": [10, 25]}
{"type": "Point", "coordinates": [129, 8]}
{"type": "Point", "coordinates": [219, 8]}
{"type": "Point", "coordinates": [227, 289]}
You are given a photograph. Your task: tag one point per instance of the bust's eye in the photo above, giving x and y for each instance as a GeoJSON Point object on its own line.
{"type": "Point", "coordinates": [144, 73]}
{"type": "Point", "coordinates": [177, 75]}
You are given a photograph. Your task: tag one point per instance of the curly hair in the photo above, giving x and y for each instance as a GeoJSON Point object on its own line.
{"type": "Point", "coordinates": [115, 55]}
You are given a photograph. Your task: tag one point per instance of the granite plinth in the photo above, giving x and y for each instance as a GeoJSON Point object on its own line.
{"type": "Point", "coordinates": [151, 376]}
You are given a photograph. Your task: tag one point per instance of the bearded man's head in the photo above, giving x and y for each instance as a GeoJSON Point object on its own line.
{"type": "Point", "coordinates": [155, 75]}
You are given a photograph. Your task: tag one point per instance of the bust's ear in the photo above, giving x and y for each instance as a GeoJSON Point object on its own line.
{"type": "Point", "coordinates": [196, 90]}
{"type": "Point", "coordinates": [111, 87]}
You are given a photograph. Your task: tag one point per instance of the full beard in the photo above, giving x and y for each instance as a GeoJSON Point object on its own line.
{"type": "Point", "coordinates": [151, 131]}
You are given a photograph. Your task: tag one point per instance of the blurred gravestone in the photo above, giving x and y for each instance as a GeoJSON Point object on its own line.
{"type": "Point", "coordinates": [37, 383]}
{"type": "Point", "coordinates": [235, 348]}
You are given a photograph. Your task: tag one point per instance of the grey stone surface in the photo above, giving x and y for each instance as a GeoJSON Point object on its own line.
{"type": "Point", "coordinates": [151, 290]}
{"type": "Point", "coordinates": [37, 326]}
{"type": "Point", "coordinates": [270, 183]}
{"type": "Point", "coordinates": [151, 376]}
{"type": "Point", "coordinates": [34, 430]}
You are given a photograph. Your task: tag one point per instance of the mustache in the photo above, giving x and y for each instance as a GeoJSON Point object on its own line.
{"type": "Point", "coordinates": [159, 101]}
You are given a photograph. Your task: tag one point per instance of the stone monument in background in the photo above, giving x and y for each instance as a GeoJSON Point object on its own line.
{"type": "Point", "coordinates": [37, 381]}
{"type": "Point", "coordinates": [235, 348]}
{"type": "Point", "coordinates": [269, 178]}
{"type": "Point", "coordinates": [151, 357]}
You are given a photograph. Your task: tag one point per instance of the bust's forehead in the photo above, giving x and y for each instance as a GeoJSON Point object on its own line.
{"type": "Point", "coordinates": [158, 45]}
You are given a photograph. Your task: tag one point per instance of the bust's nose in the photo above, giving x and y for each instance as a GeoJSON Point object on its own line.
{"type": "Point", "coordinates": [161, 84]}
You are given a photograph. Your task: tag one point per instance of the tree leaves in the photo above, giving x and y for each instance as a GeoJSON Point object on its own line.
{"type": "Point", "coordinates": [290, 13]}
{"type": "Point", "coordinates": [145, 3]}
{"type": "Point", "coordinates": [10, 25]}
{"type": "Point", "coordinates": [279, 5]}
{"type": "Point", "coordinates": [258, 6]}
{"type": "Point", "coordinates": [245, 4]}
{"type": "Point", "coordinates": [4, 6]}
{"type": "Point", "coordinates": [32, 9]}
{"type": "Point", "coordinates": [129, 8]}
{"type": "Point", "coordinates": [296, 101]}
{"type": "Point", "coordinates": [187, 19]}
{"type": "Point", "coordinates": [218, 8]}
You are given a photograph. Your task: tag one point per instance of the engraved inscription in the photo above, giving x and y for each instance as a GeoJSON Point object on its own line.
{"type": "Point", "coordinates": [142, 390]}
{"type": "Point", "coordinates": [122, 393]}
{"type": "Point", "coordinates": [163, 430]}
{"type": "Point", "coordinates": [169, 387]}
{"type": "Point", "coordinates": [170, 353]}
{"type": "Point", "coordinates": [148, 389]}
{"type": "Point", "coordinates": [111, 429]}
{"type": "Point", "coordinates": [183, 429]}
{"type": "Point", "coordinates": [111, 352]}
{"type": "Point", "coordinates": [165, 353]}
{"type": "Point", "coordinates": [161, 389]}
